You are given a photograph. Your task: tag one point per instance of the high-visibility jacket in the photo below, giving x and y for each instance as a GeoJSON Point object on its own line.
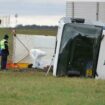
{"type": "Point", "coordinates": [2, 44]}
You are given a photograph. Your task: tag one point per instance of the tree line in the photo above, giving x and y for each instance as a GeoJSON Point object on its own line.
{"type": "Point", "coordinates": [36, 27]}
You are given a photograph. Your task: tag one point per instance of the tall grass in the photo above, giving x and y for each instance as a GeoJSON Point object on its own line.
{"type": "Point", "coordinates": [34, 88]}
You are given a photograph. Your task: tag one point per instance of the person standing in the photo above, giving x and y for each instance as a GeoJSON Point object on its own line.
{"type": "Point", "coordinates": [4, 51]}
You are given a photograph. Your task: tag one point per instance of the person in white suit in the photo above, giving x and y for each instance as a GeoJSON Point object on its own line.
{"type": "Point", "coordinates": [36, 55]}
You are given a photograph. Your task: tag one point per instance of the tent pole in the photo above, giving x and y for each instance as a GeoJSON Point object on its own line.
{"type": "Point", "coordinates": [50, 65]}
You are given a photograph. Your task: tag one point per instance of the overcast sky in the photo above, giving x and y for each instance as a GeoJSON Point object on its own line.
{"type": "Point", "coordinates": [42, 12]}
{"type": "Point", "coordinates": [35, 11]}
{"type": "Point", "coordinates": [32, 7]}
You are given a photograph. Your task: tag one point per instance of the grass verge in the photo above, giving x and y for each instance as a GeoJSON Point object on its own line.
{"type": "Point", "coordinates": [34, 88]}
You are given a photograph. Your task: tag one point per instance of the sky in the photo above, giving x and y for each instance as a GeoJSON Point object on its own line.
{"type": "Point", "coordinates": [40, 12]}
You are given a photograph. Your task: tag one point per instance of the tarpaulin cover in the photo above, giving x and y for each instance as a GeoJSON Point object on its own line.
{"type": "Point", "coordinates": [79, 48]}
{"type": "Point", "coordinates": [37, 55]}
{"type": "Point", "coordinates": [24, 43]}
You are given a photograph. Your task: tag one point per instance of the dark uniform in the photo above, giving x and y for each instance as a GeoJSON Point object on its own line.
{"type": "Point", "coordinates": [4, 51]}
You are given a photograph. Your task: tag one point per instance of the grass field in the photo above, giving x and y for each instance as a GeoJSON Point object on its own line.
{"type": "Point", "coordinates": [34, 88]}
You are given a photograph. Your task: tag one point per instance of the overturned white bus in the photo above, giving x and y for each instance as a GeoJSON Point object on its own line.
{"type": "Point", "coordinates": [80, 49]}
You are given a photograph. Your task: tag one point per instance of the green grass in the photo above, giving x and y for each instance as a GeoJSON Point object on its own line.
{"type": "Point", "coordinates": [34, 88]}
{"type": "Point", "coordinates": [51, 32]}
{"type": "Point", "coordinates": [29, 31]}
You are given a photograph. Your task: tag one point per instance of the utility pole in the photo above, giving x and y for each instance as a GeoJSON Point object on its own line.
{"type": "Point", "coordinates": [16, 16]}
{"type": "Point", "coordinates": [97, 11]}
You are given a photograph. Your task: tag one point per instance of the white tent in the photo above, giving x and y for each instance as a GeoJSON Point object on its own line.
{"type": "Point", "coordinates": [22, 44]}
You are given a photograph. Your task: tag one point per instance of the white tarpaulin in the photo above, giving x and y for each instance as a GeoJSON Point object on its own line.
{"type": "Point", "coordinates": [24, 43]}
{"type": "Point", "coordinates": [37, 55]}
